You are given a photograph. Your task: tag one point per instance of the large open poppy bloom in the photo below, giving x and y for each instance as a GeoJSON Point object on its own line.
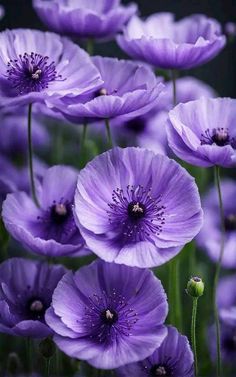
{"type": "Point", "coordinates": [129, 90]}
{"type": "Point", "coordinates": [36, 66]}
{"type": "Point", "coordinates": [136, 208]}
{"type": "Point", "coordinates": [108, 314]}
{"type": "Point", "coordinates": [212, 224]}
{"type": "Point", "coordinates": [50, 229]}
{"type": "Point", "coordinates": [26, 289]}
{"type": "Point", "coordinates": [173, 358]}
{"type": "Point", "coordinates": [203, 132]}
{"type": "Point", "coordinates": [84, 18]}
{"type": "Point", "coordinates": [166, 43]}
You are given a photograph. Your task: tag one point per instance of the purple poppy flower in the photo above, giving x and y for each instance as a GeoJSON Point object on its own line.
{"type": "Point", "coordinates": [16, 125]}
{"type": "Point", "coordinates": [136, 208]}
{"type": "Point", "coordinates": [36, 66]}
{"type": "Point", "coordinates": [149, 130]}
{"type": "Point", "coordinates": [84, 18]}
{"type": "Point", "coordinates": [50, 229]}
{"type": "Point", "coordinates": [26, 289]}
{"type": "Point", "coordinates": [203, 132]}
{"type": "Point", "coordinates": [129, 90]}
{"type": "Point", "coordinates": [173, 358]}
{"type": "Point", "coordinates": [226, 300]}
{"type": "Point", "coordinates": [108, 314]}
{"type": "Point", "coordinates": [228, 343]}
{"type": "Point", "coordinates": [166, 43]}
{"type": "Point", "coordinates": [212, 224]}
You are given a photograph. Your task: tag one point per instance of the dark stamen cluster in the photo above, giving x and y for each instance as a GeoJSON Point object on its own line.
{"type": "Point", "coordinates": [218, 136]}
{"type": "Point", "coordinates": [108, 315]}
{"type": "Point", "coordinates": [139, 214]}
{"type": "Point", "coordinates": [31, 73]}
{"type": "Point", "coordinates": [230, 222]}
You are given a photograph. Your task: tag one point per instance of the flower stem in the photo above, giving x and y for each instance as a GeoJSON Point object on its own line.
{"type": "Point", "coordinates": [193, 334]}
{"type": "Point", "coordinates": [29, 354]}
{"type": "Point", "coordinates": [108, 128]}
{"type": "Point", "coordinates": [48, 362]}
{"type": "Point", "coordinates": [30, 156]}
{"type": "Point", "coordinates": [174, 294]}
{"type": "Point", "coordinates": [84, 134]}
{"type": "Point", "coordinates": [217, 271]}
{"type": "Point", "coordinates": [174, 76]}
{"type": "Point", "coordinates": [90, 46]}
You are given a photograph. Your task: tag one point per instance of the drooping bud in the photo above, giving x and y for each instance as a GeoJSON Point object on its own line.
{"type": "Point", "coordinates": [195, 287]}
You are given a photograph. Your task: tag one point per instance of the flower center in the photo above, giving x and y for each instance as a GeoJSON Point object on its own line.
{"type": "Point", "coordinates": [57, 222]}
{"type": "Point", "coordinates": [218, 136]}
{"type": "Point", "coordinates": [59, 213]}
{"type": "Point", "coordinates": [36, 309]}
{"type": "Point", "coordinates": [136, 125]}
{"type": "Point", "coordinates": [31, 73]}
{"type": "Point", "coordinates": [109, 317]}
{"type": "Point", "coordinates": [136, 212]}
{"type": "Point", "coordinates": [230, 343]}
{"type": "Point", "coordinates": [159, 370]}
{"type": "Point", "coordinates": [230, 222]}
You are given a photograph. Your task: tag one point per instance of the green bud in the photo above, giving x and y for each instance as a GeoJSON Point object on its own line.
{"type": "Point", "coordinates": [47, 348]}
{"type": "Point", "coordinates": [195, 287]}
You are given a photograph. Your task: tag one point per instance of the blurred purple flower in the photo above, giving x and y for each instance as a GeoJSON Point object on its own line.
{"type": "Point", "coordinates": [173, 358]}
{"type": "Point", "coordinates": [166, 43]}
{"type": "Point", "coordinates": [14, 138]}
{"type": "Point", "coordinates": [2, 12]}
{"type": "Point", "coordinates": [203, 132]}
{"type": "Point", "coordinates": [50, 229]}
{"type": "Point", "coordinates": [13, 178]}
{"type": "Point", "coordinates": [228, 343]}
{"type": "Point", "coordinates": [212, 224]}
{"type": "Point", "coordinates": [108, 314]}
{"type": "Point", "coordinates": [129, 90]}
{"type": "Point", "coordinates": [154, 135]}
{"type": "Point", "coordinates": [226, 300]}
{"type": "Point", "coordinates": [36, 66]}
{"type": "Point", "coordinates": [84, 18]}
{"type": "Point", "coordinates": [230, 29]}
{"type": "Point", "coordinates": [136, 208]}
{"type": "Point", "coordinates": [26, 289]}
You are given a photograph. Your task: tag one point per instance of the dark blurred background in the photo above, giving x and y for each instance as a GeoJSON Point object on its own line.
{"type": "Point", "coordinates": [219, 73]}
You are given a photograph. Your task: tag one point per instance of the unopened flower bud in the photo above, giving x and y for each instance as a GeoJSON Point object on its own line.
{"type": "Point", "coordinates": [47, 348]}
{"type": "Point", "coordinates": [195, 287]}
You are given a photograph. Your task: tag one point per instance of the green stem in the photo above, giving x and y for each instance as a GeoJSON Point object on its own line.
{"type": "Point", "coordinates": [193, 334]}
{"type": "Point", "coordinates": [109, 138]}
{"type": "Point", "coordinates": [90, 46]}
{"type": "Point", "coordinates": [48, 362]}
{"type": "Point", "coordinates": [218, 267]}
{"type": "Point", "coordinates": [174, 294]}
{"type": "Point", "coordinates": [30, 156]}
{"type": "Point", "coordinates": [174, 76]}
{"type": "Point", "coordinates": [29, 354]}
{"type": "Point", "coordinates": [84, 134]}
